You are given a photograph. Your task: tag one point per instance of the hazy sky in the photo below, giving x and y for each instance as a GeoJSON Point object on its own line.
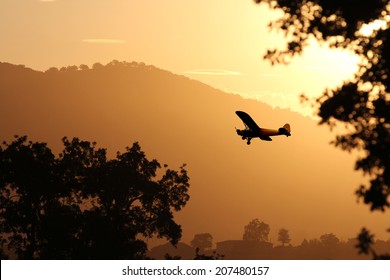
{"type": "Point", "coordinates": [219, 42]}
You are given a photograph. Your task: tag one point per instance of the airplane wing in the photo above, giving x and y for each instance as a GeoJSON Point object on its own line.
{"type": "Point", "coordinates": [265, 138]}
{"type": "Point", "coordinates": [248, 121]}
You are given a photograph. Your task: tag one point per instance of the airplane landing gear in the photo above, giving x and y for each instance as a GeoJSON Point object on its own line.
{"type": "Point", "coordinates": [248, 142]}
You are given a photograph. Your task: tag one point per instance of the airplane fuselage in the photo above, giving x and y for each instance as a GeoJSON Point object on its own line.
{"type": "Point", "coordinates": [261, 132]}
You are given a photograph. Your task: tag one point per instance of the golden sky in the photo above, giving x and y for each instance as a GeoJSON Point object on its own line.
{"type": "Point", "coordinates": [219, 42]}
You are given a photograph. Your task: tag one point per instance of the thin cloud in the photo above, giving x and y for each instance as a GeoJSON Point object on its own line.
{"type": "Point", "coordinates": [213, 72]}
{"type": "Point", "coordinates": [103, 41]}
{"type": "Point", "coordinates": [268, 75]}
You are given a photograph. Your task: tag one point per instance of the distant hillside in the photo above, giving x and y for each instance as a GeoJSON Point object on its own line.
{"type": "Point", "coordinates": [300, 183]}
{"type": "Point", "coordinates": [255, 250]}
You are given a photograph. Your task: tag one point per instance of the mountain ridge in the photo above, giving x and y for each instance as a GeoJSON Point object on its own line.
{"type": "Point", "coordinates": [289, 182]}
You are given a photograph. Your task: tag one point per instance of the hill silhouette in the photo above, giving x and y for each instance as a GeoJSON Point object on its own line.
{"type": "Point", "coordinates": [245, 250]}
{"type": "Point", "coordinates": [300, 182]}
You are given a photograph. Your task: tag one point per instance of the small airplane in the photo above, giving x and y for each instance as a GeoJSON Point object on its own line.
{"type": "Point", "coordinates": [252, 130]}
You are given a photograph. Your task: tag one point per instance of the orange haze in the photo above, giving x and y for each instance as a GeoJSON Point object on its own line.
{"type": "Point", "coordinates": [300, 183]}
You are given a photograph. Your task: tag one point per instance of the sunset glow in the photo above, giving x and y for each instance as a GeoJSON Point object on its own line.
{"type": "Point", "coordinates": [300, 182]}
{"type": "Point", "coordinates": [223, 47]}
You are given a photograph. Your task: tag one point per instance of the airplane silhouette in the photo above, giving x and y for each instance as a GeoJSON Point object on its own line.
{"type": "Point", "coordinates": [252, 130]}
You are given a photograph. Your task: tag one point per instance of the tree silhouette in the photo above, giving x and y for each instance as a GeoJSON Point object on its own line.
{"type": "Point", "coordinates": [363, 102]}
{"type": "Point", "coordinates": [365, 245]}
{"type": "Point", "coordinates": [213, 256]}
{"type": "Point", "coordinates": [80, 205]}
{"type": "Point", "coordinates": [202, 241]}
{"type": "Point", "coordinates": [284, 236]}
{"type": "Point", "coordinates": [256, 230]}
{"type": "Point", "coordinates": [329, 239]}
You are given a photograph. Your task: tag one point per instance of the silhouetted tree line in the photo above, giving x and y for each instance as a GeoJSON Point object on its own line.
{"type": "Point", "coordinates": [97, 66]}
{"type": "Point", "coordinates": [362, 103]}
{"type": "Point", "coordinates": [327, 246]}
{"type": "Point", "coordinates": [81, 205]}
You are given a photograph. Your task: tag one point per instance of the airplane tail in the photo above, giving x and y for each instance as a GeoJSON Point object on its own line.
{"type": "Point", "coordinates": [287, 127]}
{"type": "Point", "coordinates": [285, 130]}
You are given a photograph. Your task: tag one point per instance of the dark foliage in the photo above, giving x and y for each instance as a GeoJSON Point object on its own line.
{"type": "Point", "coordinates": [213, 256]}
{"type": "Point", "coordinates": [256, 230]}
{"type": "Point", "coordinates": [202, 241]}
{"type": "Point", "coordinates": [362, 103]}
{"type": "Point", "coordinates": [284, 236]}
{"type": "Point", "coordinates": [365, 245]}
{"type": "Point", "coordinates": [81, 205]}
